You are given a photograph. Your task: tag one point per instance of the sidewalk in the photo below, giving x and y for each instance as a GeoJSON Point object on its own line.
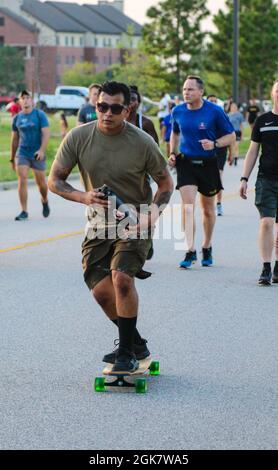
{"type": "Point", "coordinates": [7, 185]}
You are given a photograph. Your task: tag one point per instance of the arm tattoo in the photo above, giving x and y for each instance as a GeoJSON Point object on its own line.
{"type": "Point", "coordinates": [162, 199]}
{"type": "Point", "coordinates": [59, 178]}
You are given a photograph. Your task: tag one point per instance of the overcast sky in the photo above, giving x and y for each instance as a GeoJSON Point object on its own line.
{"type": "Point", "coordinates": [136, 9]}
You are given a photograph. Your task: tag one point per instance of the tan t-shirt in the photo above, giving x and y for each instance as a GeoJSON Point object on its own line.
{"type": "Point", "coordinates": [122, 161]}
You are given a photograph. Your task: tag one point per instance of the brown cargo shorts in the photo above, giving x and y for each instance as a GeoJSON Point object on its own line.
{"type": "Point", "coordinates": [100, 257]}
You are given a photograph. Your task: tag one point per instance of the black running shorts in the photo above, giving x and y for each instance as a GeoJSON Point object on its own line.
{"type": "Point", "coordinates": [100, 257]}
{"type": "Point", "coordinates": [221, 157]}
{"type": "Point", "coordinates": [266, 199]}
{"type": "Point", "coordinates": [203, 173]}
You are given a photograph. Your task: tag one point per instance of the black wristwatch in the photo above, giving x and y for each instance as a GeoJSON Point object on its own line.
{"type": "Point", "coordinates": [243, 178]}
{"type": "Point", "coordinates": [216, 144]}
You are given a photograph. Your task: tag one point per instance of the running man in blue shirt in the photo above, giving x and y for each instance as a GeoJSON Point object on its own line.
{"type": "Point", "coordinates": [199, 129]}
{"type": "Point", "coordinates": [30, 135]}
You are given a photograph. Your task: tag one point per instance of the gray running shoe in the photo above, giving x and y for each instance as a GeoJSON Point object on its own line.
{"type": "Point", "coordinates": [45, 209]}
{"type": "Point", "coordinates": [22, 216]}
{"type": "Point", "coordinates": [265, 278]}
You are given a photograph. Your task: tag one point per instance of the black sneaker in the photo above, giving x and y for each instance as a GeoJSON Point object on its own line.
{"type": "Point", "coordinates": [275, 277]}
{"type": "Point", "coordinates": [140, 350]}
{"type": "Point", "coordinates": [207, 257]}
{"type": "Point", "coordinates": [190, 258]}
{"type": "Point", "coordinates": [45, 209]}
{"type": "Point", "coordinates": [125, 362]}
{"type": "Point", "coordinates": [22, 216]}
{"type": "Point", "coordinates": [265, 278]}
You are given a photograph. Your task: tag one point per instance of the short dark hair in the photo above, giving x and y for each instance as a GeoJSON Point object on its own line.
{"type": "Point", "coordinates": [211, 96]}
{"type": "Point", "coordinates": [95, 85]}
{"type": "Point", "coordinates": [134, 89]}
{"type": "Point", "coordinates": [114, 88]}
{"type": "Point", "coordinates": [199, 81]}
{"type": "Point", "coordinates": [24, 93]}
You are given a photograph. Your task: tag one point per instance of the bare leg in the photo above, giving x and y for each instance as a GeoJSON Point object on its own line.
{"type": "Point", "coordinates": [125, 294]}
{"type": "Point", "coordinates": [104, 293]}
{"type": "Point", "coordinates": [266, 238]}
{"type": "Point", "coordinates": [41, 183]}
{"type": "Point", "coordinates": [209, 218]}
{"type": "Point", "coordinates": [188, 195]}
{"type": "Point", "coordinates": [22, 173]}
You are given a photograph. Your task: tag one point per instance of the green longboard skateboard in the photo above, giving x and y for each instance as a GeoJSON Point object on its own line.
{"type": "Point", "coordinates": [133, 381]}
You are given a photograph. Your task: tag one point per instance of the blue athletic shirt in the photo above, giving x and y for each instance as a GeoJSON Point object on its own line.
{"type": "Point", "coordinates": [167, 122]}
{"type": "Point", "coordinates": [29, 128]}
{"type": "Point", "coordinates": [209, 122]}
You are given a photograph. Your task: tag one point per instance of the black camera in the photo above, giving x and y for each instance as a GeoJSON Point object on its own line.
{"type": "Point", "coordinates": [108, 192]}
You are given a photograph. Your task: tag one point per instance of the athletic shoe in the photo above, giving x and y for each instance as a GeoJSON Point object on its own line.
{"type": "Point", "coordinates": [45, 209]}
{"type": "Point", "coordinates": [265, 278]}
{"type": "Point", "coordinates": [219, 209]}
{"type": "Point", "coordinates": [207, 257]}
{"type": "Point", "coordinates": [275, 277]}
{"type": "Point", "coordinates": [140, 350]}
{"type": "Point", "coordinates": [125, 362]}
{"type": "Point", "coordinates": [22, 216]}
{"type": "Point", "coordinates": [190, 258]}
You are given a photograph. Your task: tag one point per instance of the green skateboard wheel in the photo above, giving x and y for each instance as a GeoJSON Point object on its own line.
{"type": "Point", "coordinates": [141, 385]}
{"type": "Point", "coordinates": [155, 368]}
{"type": "Point", "coordinates": [99, 384]}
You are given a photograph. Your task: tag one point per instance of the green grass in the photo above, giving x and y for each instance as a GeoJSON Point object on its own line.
{"type": "Point", "coordinates": [6, 172]}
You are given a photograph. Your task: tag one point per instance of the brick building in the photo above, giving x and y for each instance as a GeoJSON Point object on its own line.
{"type": "Point", "coordinates": [56, 35]}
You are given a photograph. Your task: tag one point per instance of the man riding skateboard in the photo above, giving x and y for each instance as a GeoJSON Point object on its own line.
{"type": "Point", "coordinates": [113, 152]}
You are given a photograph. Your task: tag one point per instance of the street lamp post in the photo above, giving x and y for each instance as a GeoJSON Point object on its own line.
{"type": "Point", "coordinates": [235, 51]}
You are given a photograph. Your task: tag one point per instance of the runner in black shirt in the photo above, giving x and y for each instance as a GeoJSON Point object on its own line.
{"type": "Point", "coordinates": [265, 134]}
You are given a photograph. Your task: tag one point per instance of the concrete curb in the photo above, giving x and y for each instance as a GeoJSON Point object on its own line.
{"type": "Point", "coordinates": [7, 185]}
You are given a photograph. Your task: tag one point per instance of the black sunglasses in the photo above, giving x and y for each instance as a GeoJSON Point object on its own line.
{"type": "Point", "coordinates": [115, 108]}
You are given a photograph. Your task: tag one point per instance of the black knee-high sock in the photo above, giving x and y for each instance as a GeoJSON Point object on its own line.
{"type": "Point", "coordinates": [127, 328]}
{"type": "Point", "coordinates": [267, 266]}
{"type": "Point", "coordinates": [137, 336]}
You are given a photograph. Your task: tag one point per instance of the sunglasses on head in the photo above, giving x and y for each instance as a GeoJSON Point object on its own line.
{"type": "Point", "coordinates": [115, 108]}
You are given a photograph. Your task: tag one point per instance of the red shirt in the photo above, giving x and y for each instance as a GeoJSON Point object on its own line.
{"type": "Point", "coordinates": [14, 109]}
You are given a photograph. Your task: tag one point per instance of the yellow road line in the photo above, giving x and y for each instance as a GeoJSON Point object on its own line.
{"type": "Point", "coordinates": [40, 242]}
{"type": "Point", "coordinates": [79, 232]}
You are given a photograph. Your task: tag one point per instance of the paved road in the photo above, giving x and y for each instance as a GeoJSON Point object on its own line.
{"type": "Point", "coordinates": [213, 329]}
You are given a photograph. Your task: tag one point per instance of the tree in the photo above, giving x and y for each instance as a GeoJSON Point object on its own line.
{"type": "Point", "coordinates": [174, 35]}
{"type": "Point", "coordinates": [81, 74]}
{"type": "Point", "coordinates": [142, 70]}
{"type": "Point", "coordinates": [258, 45]}
{"type": "Point", "coordinates": [11, 69]}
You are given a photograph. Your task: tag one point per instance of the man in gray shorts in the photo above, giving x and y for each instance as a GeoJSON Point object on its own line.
{"type": "Point", "coordinates": [265, 134]}
{"type": "Point", "coordinates": [30, 136]}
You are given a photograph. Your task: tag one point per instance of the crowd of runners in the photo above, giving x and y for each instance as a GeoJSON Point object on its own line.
{"type": "Point", "coordinates": [114, 144]}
